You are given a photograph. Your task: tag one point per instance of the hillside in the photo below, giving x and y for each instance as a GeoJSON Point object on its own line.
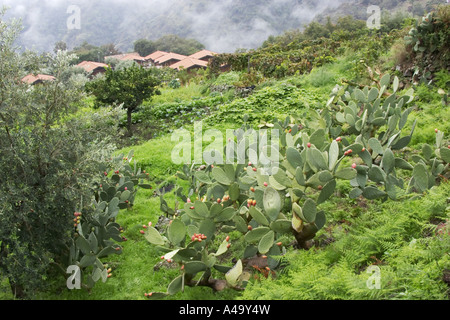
{"type": "Point", "coordinates": [358, 208]}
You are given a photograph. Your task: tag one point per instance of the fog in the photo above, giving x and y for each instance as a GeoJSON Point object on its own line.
{"type": "Point", "coordinates": [222, 26]}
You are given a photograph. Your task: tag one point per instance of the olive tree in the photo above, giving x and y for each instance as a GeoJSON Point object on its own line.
{"type": "Point", "coordinates": [47, 165]}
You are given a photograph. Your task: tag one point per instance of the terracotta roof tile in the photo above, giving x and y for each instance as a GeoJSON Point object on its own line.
{"type": "Point", "coordinates": [170, 56]}
{"type": "Point", "coordinates": [189, 63]}
{"type": "Point", "coordinates": [90, 66]}
{"type": "Point", "coordinates": [127, 56]}
{"type": "Point", "coordinates": [202, 54]}
{"type": "Point", "coordinates": [155, 55]}
{"type": "Point", "coordinates": [32, 79]}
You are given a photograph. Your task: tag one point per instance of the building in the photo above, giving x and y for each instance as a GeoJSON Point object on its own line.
{"type": "Point", "coordinates": [93, 68]}
{"type": "Point", "coordinates": [190, 64]}
{"type": "Point", "coordinates": [169, 59]}
{"type": "Point", "coordinates": [128, 56]}
{"type": "Point", "coordinates": [204, 55]}
{"type": "Point", "coordinates": [37, 79]}
{"type": "Point", "coordinates": [155, 55]}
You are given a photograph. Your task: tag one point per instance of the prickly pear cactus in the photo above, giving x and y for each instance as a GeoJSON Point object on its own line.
{"type": "Point", "coordinates": [96, 232]}
{"type": "Point", "coordinates": [357, 138]}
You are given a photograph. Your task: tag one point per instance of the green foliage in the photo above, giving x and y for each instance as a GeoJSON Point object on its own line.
{"type": "Point", "coordinates": [48, 164]}
{"type": "Point", "coordinates": [429, 39]}
{"type": "Point", "coordinates": [266, 205]}
{"type": "Point", "coordinates": [128, 87]}
{"type": "Point", "coordinates": [97, 236]}
{"type": "Point", "coordinates": [168, 43]}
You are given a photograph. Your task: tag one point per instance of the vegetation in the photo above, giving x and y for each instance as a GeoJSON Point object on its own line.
{"type": "Point", "coordinates": [356, 179]}
{"type": "Point", "coordinates": [128, 87]}
{"type": "Point", "coordinates": [168, 43]}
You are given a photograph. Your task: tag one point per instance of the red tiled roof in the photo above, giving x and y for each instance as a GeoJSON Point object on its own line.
{"type": "Point", "coordinates": [155, 55]}
{"type": "Point", "coordinates": [127, 56]}
{"type": "Point", "coordinates": [202, 54]}
{"type": "Point", "coordinates": [170, 56]}
{"type": "Point", "coordinates": [32, 79]}
{"type": "Point", "coordinates": [90, 66]}
{"type": "Point", "coordinates": [189, 63]}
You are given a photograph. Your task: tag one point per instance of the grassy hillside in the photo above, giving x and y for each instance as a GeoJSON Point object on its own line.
{"type": "Point", "coordinates": [408, 240]}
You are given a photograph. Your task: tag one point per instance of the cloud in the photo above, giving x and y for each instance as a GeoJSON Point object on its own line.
{"type": "Point", "coordinates": [222, 26]}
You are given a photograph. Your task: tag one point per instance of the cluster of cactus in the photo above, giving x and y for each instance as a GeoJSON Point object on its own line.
{"type": "Point", "coordinates": [355, 138]}
{"type": "Point", "coordinates": [417, 35]}
{"type": "Point", "coordinates": [97, 234]}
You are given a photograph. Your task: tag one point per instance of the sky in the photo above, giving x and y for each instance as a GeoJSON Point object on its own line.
{"type": "Point", "coordinates": [46, 21]}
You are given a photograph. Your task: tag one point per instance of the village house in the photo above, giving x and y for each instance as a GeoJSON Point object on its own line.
{"type": "Point", "coordinates": [150, 59]}
{"type": "Point", "coordinates": [169, 59]}
{"type": "Point", "coordinates": [37, 79]}
{"type": "Point", "coordinates": [134, 56]}
{"type": "Point", "coordinates": [190, 64]}
{"type": "Point", "coordinates": [93, 68]}
{"type": "Point", "coordinates": [204, 55]}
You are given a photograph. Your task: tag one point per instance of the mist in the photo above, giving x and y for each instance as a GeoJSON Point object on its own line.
{"type": "Point", "coordinates": [222, 26]}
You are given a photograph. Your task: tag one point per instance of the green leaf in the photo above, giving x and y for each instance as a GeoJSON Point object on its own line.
{"type": "Point", "coordinates": [176, 285]}
{"type": "Point", "coordinates": [281, 177]}
{"type": "Point", "coordinates": [346, 174]}
{"type": "Point", "coordinates": [266, 242]}
{"type": "Point", "coordinates": [376, 146]}
{"type": "Point", "coordinates": [333, 155]}
{"type": "Point", "coordinates": [226, 215]}
{"type": "Point", "coordinates": [208, 228]}
{"type": "Point", "coordinates": [403, 164]}
{"type": "Point", "coordinates": [256, 234]}
{"type": "Point", "coordinates": [176, 232]}
{"type": "Point", "coordinates": [201, 208]}
{"type": "Point", "coordinates": [427, 152]}
{"type": "Point", "coordinates": [316, 159]}
{"type": "Point", "coordinates": [232, 276]}
{"type": "Point", "coordinates": [396, 84]}
{"type": "Point", "coordinates": [445, 154]}
{"type": "Point", "coordinates": [373, 94]}
{"type": "Point", "coordinates": [372, 193]}
{"type": "Point", "coordinates": [87, 260]}
{"type": "Point", "coordinates": [318, 138]}
{"type": "Point", "coordinates": [272, 203]}
{"type": "Point", "coordinates": [388, 161]}
{"type": "Point", "coordinates": [220, 176]}
{"type": "Point", "coordinates": [294, 158]}
{"type": "Point", "coordinates": [202, 176]}
{"type": "Point", "coordinates": [83, 245]}
{"type": "Point", "coordinates": [194, 267]}
{"type": "Point", "coordinates": [376, 174]}
{"type": "Point", "coordinates": [309, 210]}
{"type": "Point", "coordinates": [360, 96]}
{"type": "Point", "coordinates": [420, 176]}
{"type": "Point", "coordinates": [152, 235]}
{"type": "Point", "coordinates": [222, 248]}
{"type": "Point", "coordinates": [385, 80]}
{"type": "Point", "coordinates": [321, 219]}
{"type": "Point", "coordinates": [258, 216]}
{"type": "Point", "coordinates": [355, 193]}
{"type": "Point", "coordinates": [234, 192]}
{"type": "Point", "coordinates": [327, 191]}
{"type": "Point", "coordinates": [281, 226]}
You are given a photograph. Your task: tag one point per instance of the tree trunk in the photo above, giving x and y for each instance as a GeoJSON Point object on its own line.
{"type": "Point", "coordinates": [129, 121]}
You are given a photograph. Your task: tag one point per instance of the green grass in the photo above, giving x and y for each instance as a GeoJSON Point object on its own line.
{"type": "Point", "coordinates": [399, 234]}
